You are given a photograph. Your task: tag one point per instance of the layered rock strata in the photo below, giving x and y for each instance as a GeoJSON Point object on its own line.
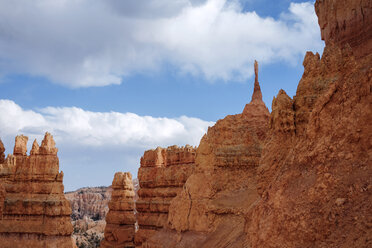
{"type": "Point", "coordinates": [161, 176]}
{"type": "Point", "coordinates": [35, 211]}
{"type": "Point", "coordinates": [211, 209]}
{"type": "Point", "coordinates": [120, 220]}
{"type": "Point", "coordinates": [90, 202]}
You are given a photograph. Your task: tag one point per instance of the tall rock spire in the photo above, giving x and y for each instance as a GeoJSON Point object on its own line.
{"type": "Point", "coordinates": [257, 95]}
{"type": "Point", "coordinates": [256, 108]}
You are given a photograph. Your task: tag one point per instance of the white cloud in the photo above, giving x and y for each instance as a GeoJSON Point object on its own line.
{"type": "Point", "coordinates": [71, 125]}
{"type": "Point", "coordinates": [93, 145]}
{"type": "Point", "coordinates": [81, 43]}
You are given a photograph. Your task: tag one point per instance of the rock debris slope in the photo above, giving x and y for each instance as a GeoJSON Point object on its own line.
{"type": "Point", "coordinates": [35, 211]}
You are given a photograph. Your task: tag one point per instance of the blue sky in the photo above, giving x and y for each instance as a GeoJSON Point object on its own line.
{"type": "Point", "coordinates": [155, 73]}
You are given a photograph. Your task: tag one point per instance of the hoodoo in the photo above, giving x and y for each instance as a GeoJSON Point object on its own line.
{"type": "Point", "coordinates": [120, 220]}
{"type": "Point", "coordinates": [35, 211]}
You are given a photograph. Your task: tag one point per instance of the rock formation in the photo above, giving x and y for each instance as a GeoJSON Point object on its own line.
{"type": "Point", "coordinates": [301, 177]}
{"type": "Point", "coordinates": [35, 211]}
{"type": "Point", "coordinates": [161, 176]}
{"type": "Point", "coordinates": [346, 22]}
{"type": "Point", "coordinates": [91, 202]}
{"type": "Point", "coordinates": [315, 172]}
{"type": "Point", "coordinates": [210, 211]}
{"type": "Point", "coordinates": [120, 227]}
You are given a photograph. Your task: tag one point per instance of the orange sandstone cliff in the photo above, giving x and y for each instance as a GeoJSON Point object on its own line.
{"type": "Point", "coordinates": [161, 176]}
{"type": "Point", "coordinates": [35, 212]}
{"type": "Point", "coordinates": [120, 220]}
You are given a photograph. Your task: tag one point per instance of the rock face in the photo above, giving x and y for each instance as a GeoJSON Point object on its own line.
{"type": "Point", "coordinates": [161, 176]}
{"type": "Point", "coordinates": [120, 227]}
{"type": "Point", "coordinates": [35, 212]}
{"type": "Point", "coordinates": [91, 202]}
{"type": "Point", "coordinates": [315, 172]}
{"type": "Point", "coordinates": [346, 22]}
{"type": "Point", "coordinates": [210, 210]}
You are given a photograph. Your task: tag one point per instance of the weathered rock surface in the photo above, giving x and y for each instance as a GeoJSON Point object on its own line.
{"type": "Point", "coordinates": [120, 227]}
{"type": "Point", "coordinates": [91, 202]}
{"type": "Point", "coordinates": [316, 167]}
{"type": "Point", "coordinates": [346, 22]}
{"type": "Point", "coordinates": [210, 211]}
{"type": "Point", "coordinates": [35, 212]}
{"type": "Point", "coordinates": [161, 176]}
{"type": "Point", "coordinates": [315, 173]}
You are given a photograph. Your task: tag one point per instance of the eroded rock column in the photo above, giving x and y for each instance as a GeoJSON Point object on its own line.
{"type": "Point", "coordinates": [120, 220]}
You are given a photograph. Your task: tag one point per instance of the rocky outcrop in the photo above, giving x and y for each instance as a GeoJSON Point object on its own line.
{"type": "Point", "coordinates": [90, 202]}
{"type": "Point", "coordinates": [161, 176]}
{"type": "Point", "coordinates": [211, 209]}
{"type": "Point", "coordinates": [35, 212]}
{"type": "Point", "coordinates": [346, 22]}
{"type": "Point", "coordinates": [120, 227]}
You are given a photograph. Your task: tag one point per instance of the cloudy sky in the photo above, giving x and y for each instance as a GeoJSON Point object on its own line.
{"type": "Point", "coordinates": [112, 78]}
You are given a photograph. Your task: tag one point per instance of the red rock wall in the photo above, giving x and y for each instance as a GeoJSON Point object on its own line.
{"type": "Point", "coordinates": [346, 22]}
{"type": "Point", "coordinates": [35, 213]}
{"type": "Point", "coordinates": [120, 220]}
{"type": "Point", "coordinates": [161, 176]}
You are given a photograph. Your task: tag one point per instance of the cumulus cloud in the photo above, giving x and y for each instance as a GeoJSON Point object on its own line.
{"type": "Point", "coordinates": [95, 129]}
{"type": "Point", "coordinates": [98, 42]}
{"type": "Point", "coordinates": [93, 145]}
